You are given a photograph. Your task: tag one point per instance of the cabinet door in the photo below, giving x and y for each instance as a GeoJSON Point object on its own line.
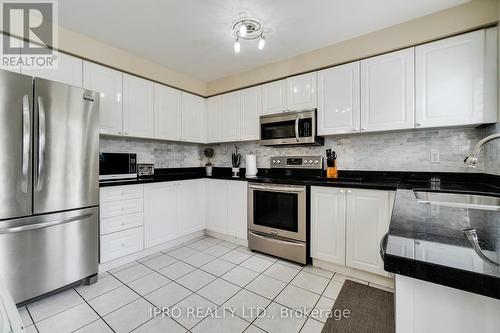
{"type": "Point", "coordinates": [387, 96]}
{"type": "Point", "coordinates": [251, 109]}
{"type": "Point", "coordinates": [191, 204]}
{"type": "Point", "coordinates": [137, 107]}
{"type": "Point", "coordinates": [160, 213]}
{"type": "Point", "coordinates": [167, 113]}
{"type": "Point", "coordinates": [449, 81]}
{"type": "Point", "coordinates": [301, 91]}
{"type": "Point", "coordinates": [68, 71]}
{"type": "Point", "coordinates": [108, 82]}
{"type": "Point", "coordinates": [14, 42]}
{"type": "Point", "coordinates": [368, 214]}
{"type": "Point", "coordinates": [328, 214]}
{"type": "Point", "coordinates": [230, 121]}
{"type": "Point", "coordinates": [338, 99]}
{"type": "Point", "coordinates": [193, 118]}
{"type": "Point", "coordinates": [274, 97]}
{"type": "Point", "coordinates": [237, 221]}
{"type": "Point", "coordinates": [214, 119]}
{"type": "Point", "coordinates": [217, 209]}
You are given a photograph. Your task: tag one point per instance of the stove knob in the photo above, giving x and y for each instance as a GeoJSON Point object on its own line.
{"type": "Point", "coordinates": [316, 161]}
{"type": "Point", "coordinates": [305, 161]}
{"type": "Point", "coordinates": [278, 161]}
{"type": "Point", "coordinates": [274, 161]}
{"type": "Point", "coordinates": [310, 161]}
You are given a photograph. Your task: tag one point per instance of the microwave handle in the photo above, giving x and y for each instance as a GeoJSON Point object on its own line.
{"type": "Point", "coordinates": [297, 128]}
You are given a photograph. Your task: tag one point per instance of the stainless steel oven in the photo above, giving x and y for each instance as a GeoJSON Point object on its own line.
{"type": "Point", "coordinates": [289, 128]}
{"type": "Point", "coordinates": [277, 220]}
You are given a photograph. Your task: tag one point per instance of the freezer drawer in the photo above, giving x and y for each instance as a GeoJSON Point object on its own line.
{"type": "Point", "coordinates": [39, 254]}
{"type": "Point", "coordinates": [119, 244]}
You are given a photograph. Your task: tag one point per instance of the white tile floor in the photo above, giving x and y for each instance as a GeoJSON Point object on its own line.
{"type": "Point", "coordinates": [231, 289]}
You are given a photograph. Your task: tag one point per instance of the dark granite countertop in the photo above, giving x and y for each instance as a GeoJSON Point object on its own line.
{"type": "Point", "coordinates": [427, 241]}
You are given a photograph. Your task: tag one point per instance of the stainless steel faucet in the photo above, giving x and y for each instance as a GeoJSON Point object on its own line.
{"type": "Point", "coordinates": [471, 160]}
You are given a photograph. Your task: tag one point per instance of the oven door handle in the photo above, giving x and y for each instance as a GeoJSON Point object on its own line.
{"type": "Point", "coordinates": [297, 128]}
{"type": "Point", "coordinates": [277, 188]}
{"type": "Point", "coordinates": [275, 240]}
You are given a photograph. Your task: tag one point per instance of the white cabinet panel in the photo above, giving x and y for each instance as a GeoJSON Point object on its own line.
{"type": "Point", "coordinates": [450, 81]}
{"type": "Point", "coordinates": [214, 119]}
{"type": "Point", "coordinates": [160, 213]}
{"type": "Point", "coordinates": [274, 97]}
{"type": "Point", "coordinates": [368, 217]}
{"type": "Point", "coordinates": [137, 107]}
{"type": "Point", "coordinates": [115, 193]}
{"type": "Point", "coordinates": [191, 206]}
{"type": "Point", "coordinates": [237, 206]}
{"type": "Point", "coordinates": [301, 91]}
{"type": "Point", "coordinates": [217, 192]}
{"type": "Point", "coordinates": [251, 109]}
{"type": "Point", "coordinates": [122, 222]}
{"type": "Point", "coordinates": [108, 82]}
{"type": "Point", "coordinates": [123, 207]}
{"type": "Point", "coordinates": [230, 111]}
{"type": "Point", "coordinates": [122, 243]}
{"type": "Point", "coordinates": [338, 99]}
{"type": "Point", "coordinates": [15, 42]}
{"type": "Point", "coordinates": [328, 213]}
{"type": "Point", "coordinates": [387, 91]}
{"type": "Point", "coordinates": [69, 70]}
{"type": "Point", "coordinates": [167, 113]}
{"type": "Point", "coordinates": [193, 118]}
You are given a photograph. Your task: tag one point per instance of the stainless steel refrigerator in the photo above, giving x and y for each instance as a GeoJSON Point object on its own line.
{"type": "Point", "coordinates": [49, 185]}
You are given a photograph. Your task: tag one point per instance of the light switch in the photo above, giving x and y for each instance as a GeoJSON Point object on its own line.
{"type": "Point", "coordinates": [435, 156]}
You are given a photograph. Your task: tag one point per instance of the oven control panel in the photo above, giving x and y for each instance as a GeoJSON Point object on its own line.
{"type": "Point", "coordinates": [297, 162]}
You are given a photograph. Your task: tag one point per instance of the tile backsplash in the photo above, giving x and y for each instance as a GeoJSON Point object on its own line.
{"type": "Point", "coordinates": [164, 154]}
{"type": "Point", "coordinates": [392, 151]}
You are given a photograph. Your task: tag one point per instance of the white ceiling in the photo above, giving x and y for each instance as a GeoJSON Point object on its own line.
{"type": "Point", "coordinates": [194, 37]}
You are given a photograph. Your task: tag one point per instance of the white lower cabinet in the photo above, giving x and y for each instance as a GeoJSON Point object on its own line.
{"type": "Point", "coordinates": [227, 207]}
{"type": "Point", "coordinates": [347, 225]}
{"type": "Point", "coordinates": [119, 244]}
{"type": "Point", "coordinates": [191, 206]}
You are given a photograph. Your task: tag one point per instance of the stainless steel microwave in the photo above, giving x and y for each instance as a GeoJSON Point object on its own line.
{"type": "Point", "coordinates": [289, 128]}
{"type": "Point", "coordinates": [117, 166]}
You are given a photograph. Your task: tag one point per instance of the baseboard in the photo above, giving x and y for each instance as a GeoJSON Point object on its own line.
{"type": "Point", "coordinates": [356, 273]}
{"type": "Point", "coordinates": [146, 252]}
{"type": "Point", "coordinates": [232, 239]}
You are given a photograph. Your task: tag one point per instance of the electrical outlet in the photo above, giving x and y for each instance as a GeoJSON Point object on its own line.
{"type": "Point", "coordinates": [435, 156]}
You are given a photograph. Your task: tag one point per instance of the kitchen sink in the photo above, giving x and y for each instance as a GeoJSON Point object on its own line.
{"type": "Point", "coordinates": [461, 200]}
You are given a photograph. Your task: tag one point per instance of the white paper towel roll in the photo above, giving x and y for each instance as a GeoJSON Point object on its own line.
{"type": "Point", "coordinates": [251, 166]}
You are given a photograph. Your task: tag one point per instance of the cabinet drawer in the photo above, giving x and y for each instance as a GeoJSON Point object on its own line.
{"type": "Point", "coordinates": [124, 207]}
{"type": "Point", "coordinates": [121, 222]}
{"type": "Point", "coordinates": [126, 192]}
{"type": "Point", "coordinates": [121, 243]}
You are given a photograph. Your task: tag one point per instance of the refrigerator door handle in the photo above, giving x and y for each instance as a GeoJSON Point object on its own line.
{"type": "Point", "coordinates": [41, 143]}
{"type": "Point", "coordinates": [44, 224]}
{"type": "Point", "coordinates": [26, 143]}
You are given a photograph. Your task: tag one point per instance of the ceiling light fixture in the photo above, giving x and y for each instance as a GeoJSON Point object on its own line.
{"type": "Point", "coordinates": [246, 28]}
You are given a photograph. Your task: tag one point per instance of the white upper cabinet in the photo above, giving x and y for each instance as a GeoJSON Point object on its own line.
{"type": "Point", "coordinates": [387, 91]}
{"type": "Point", "coordinates": [68, 71]}
{"type": "Point", "coordinates": [274, 97]}
{"type": "Point", "coordinates": [193, 118]}
{"type": "Point", "coordinates": [338, 99]}
{"type": "Point", "coordinates": [456, 81]}
{"type": "Point", "coordinates": [328, 211]}
{"type": "Point", "coordinates": [214, 119]}
{"type": "Point", "coordinates": [368, 217]}
{"type": "Point", "coordinates": [167, 113]}
{"type": "Point", "coordinates": [231, 115]}
{"type": "Point", "coordinates": [251, 109]}
{"type": "Point", "coordinates": [108, 82]}
{"type": "Point", "coordinates": [14, 43]}
{"type": "Point", "coordinates": [301, 92]}
{"type": "Point", "coordinates": [138, 103]}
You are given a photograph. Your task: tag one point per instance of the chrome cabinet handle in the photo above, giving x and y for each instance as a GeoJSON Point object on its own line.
{"type": "Point", "coordinates": [471, 236]}
{"type": "Point", "coordinates": [41, 143]}
{"type": "Point", "coordinates": [383, 244]}
{"type": "Point", "coordinates": [26, 143]}
{"type": "Point", "coordinates": [297, 128]}
{"type": "Point", "coordinates": [44, 224]}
